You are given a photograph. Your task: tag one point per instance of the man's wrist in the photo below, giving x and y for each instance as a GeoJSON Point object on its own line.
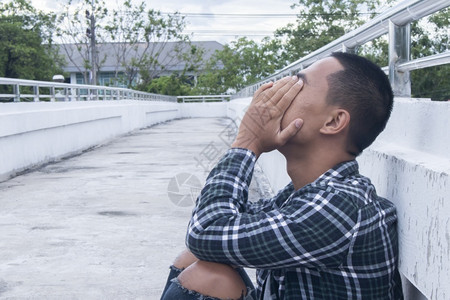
{"type": "Point", "coordinates": [248, 146]}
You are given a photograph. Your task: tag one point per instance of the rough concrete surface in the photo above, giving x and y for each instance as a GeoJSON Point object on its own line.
{"type": "Point", "coordinates": [106, 224]}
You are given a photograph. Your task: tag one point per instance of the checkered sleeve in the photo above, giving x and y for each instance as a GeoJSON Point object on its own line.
{"type": "Point", "coordinates": [266, 205]}
{"type": "Point", "coordinates": [313, 230]}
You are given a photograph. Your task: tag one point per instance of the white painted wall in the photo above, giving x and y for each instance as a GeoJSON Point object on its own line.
{"type": "Point", "coordinates": [410, 165]}
{"type": "Point", "coordinates": [35, 133]}
{"type": "Point", "coordinates": [203, 110]}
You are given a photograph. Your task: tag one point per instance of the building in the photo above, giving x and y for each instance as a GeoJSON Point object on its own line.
{"type": "Point", "coordinates": [115, 60]}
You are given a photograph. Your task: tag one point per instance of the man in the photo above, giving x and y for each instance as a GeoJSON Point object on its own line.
{"type": "Point", "coordinates": [326, 235]}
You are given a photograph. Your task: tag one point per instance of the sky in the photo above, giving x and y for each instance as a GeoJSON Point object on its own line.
{"type": "Point", "coordinates": [261, 17]}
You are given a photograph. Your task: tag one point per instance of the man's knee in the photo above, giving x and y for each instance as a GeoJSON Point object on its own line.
{"type": "Point", "coordinates": [213, 279]}
{"type": "Point", "coordinates": [184, 260]}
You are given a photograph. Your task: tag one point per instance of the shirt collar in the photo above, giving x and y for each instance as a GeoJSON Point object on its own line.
{"type": "Point", "coordinates": [340, 171]}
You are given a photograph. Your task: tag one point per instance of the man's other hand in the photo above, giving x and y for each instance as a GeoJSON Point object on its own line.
{"type": "Point", "coordinates": [260, 129]}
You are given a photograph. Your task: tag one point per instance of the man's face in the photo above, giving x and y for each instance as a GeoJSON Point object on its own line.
{"type": "Point", "coordinates": [310, 104]}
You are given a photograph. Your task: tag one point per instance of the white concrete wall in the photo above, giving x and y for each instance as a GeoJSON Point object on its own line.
{"type": "Point", "coordinates": [410, 165]}
{"type": "Point", "coordinates": [32, 134]}
{"type": "Point", "coordinates": [35, 133]}
{"type": "Point", "coordinates": [203, 110]}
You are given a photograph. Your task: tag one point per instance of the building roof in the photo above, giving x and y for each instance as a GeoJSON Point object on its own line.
{"type": "Point", "coordinates": [108, 54]}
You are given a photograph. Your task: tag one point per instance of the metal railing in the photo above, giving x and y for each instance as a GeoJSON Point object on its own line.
{"type": "Point", "coordinates": [204, 98]}
{"type": "Point", "coordinates": [30, 90]}
{"type": "Point", "coordinates": [395, 22]}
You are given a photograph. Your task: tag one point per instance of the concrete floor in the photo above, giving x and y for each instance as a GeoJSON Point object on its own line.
{"type": "Point", "coordinates": [106, 224]}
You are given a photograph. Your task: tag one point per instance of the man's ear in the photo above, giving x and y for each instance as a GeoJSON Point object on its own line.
{"type": "Point", "coordinates": [337, 121]}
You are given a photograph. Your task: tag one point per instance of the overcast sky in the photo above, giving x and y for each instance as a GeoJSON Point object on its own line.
{"type": "Point", "coordinates": [218, 27]}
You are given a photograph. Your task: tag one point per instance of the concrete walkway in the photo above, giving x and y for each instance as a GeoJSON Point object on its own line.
{"type": "Point", "coordinates": [106, 224]}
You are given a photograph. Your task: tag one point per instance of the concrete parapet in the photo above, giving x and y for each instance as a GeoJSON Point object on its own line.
{"type": "Point", "coordinates": [410, 165]}
{"type": "Point", "coordinates": [202, 110]}
{"type": "Point", "coordinates": [36, 133]}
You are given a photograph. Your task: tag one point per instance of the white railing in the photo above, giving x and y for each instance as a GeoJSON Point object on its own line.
{"type": "Point", "coordinates": [204, 98]}
{"type": "Point", "coordinates": [395, 22]}
{"type": "Point", "coordinates": [34, 91]}
{"type": "Point", "coordinates": [30, 90]}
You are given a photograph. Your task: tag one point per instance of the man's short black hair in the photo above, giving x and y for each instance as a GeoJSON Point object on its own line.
{"type": "Point", "coordinates": [363, 89]}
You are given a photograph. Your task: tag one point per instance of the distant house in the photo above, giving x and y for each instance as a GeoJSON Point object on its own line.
{"type": "Point", "coordinates": [115, 58]}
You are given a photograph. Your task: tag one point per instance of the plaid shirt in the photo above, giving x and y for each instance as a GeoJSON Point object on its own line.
{"type": "Point", "coordinates": [332, 239]}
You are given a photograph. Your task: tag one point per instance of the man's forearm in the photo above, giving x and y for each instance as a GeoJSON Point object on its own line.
{"type": "Point", "coordinates": [225, 194]}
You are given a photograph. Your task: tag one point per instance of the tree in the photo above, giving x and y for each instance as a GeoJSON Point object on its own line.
{"type": "Point", "coordinates": [432, 82]}
{"type": "Point", "coordinates": [79, 38]}
{"type": "Point", "coordinates": [140, 39]}
{"type": "Point", "coordinates": [244, 62]}
{"type": "Point", "coordinates": [321, 22]}
{"type": "Point", "coordinates": [173, 85]}
{"type": "Point", "coordinates": [137, 39]}
{"type": "Point", "coordinates": [177, 84]}
{"type": "Point", "coordinates": [26, 51]}
{"type": "Point", "coordinates": [240, 63]}
{"type": "Point", "coordinates": [428, 36]}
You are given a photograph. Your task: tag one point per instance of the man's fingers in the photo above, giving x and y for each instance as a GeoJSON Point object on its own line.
{"type": "Point", "coordinates": [280, 91]}
{"type": "Point", "coordinates": [261, 89]}
{"type": "Point", "coordinates": [290, 95]}
{"type": "Point", "coordinates": [274, 94]}
{"type": "Point", "coordinates": [290, 131]}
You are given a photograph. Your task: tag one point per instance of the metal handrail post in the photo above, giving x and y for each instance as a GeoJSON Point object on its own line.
{"type": "Point", "coordinates": [352, 50]}
{"type": "Point", "coordinates": [72, 95]}
{"type": "Point", "coordinates": [16, 92]}
{"type": "Point", "coordinates": [399, 52]}
{"type": "Point", "coordinates": [52, 94]}
{"type": "Point", "coordinates": [66, 94]}
{"type": "Point", "coordinates": [36, 93]}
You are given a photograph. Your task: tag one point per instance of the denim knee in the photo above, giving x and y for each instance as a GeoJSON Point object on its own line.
{"type": "Point", "coordinates": [178, 292]}
{"type": "Point", "coordinates": [175, 291]}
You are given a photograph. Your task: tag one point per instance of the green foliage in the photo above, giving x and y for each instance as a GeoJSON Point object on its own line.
{"type": "Point", "coordinates": [321, 22]}
{"type": "Point", "coordinates": [240, 63]}
{"type": "Point", "coordinates": [74, 27]}
{"type": "Point", "coordinates": [173, 85]}
{"type": "Point", "coordinates": [137, 38]}
{"type": "Point", "coordinates": [193, 57]}
{"type": "Point", "coordinates": [428, 37]}
{"type": "Point", "coordinates": [244, 62]}
{"type": "Point", "coordinates": [432, 82]}
{"type": "Point", "coordinates": [25, 42]}
{"type": "Point", "coordinates": [21, 11]}
{"type": "Point", "coordinates": [377, 51]}
{"type": "Point", "coordinates": [140, 37]}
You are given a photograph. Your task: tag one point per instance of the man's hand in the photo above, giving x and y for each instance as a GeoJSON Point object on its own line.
{"type": "Point", "coordinates": [260, 129]}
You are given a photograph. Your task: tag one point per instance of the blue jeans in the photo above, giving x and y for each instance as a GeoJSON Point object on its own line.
{"type": "Point", "coordinates": [175, 291]}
